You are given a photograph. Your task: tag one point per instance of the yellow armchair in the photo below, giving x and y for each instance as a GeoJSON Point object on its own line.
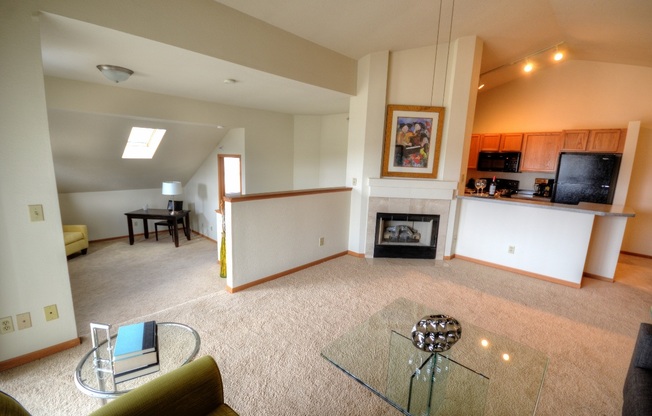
{"type": "Point", "coordinates": [75, 238]}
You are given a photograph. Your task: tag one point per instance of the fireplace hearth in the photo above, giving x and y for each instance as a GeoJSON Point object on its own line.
{"type": "Point", "coordinates": [406, 235]}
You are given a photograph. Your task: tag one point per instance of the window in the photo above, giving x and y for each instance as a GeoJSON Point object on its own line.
{"type": "Point", "coordinates": [142, 143]}
{"type": "Point", "coordinates": [229, 179]}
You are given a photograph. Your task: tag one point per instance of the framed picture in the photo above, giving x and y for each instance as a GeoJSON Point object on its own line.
{"type": "Point", "coordinates": [412, 141]}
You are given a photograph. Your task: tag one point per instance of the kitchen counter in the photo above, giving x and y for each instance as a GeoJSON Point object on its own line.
{"type": "Point", "coordinates": [550, 241]}
{"type": "Point", "coordinates": [583, 207]}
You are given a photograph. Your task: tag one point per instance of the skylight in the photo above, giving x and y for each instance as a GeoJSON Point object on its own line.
{"type": "Point", "coordinates": [142, 143]}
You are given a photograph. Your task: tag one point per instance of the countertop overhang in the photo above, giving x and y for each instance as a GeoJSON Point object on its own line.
{"type": "Point", "coordinates": [583, 207]}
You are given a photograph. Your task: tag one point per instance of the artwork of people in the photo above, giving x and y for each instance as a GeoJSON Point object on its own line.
{"type": "Point", "coordinates": [412, 142]}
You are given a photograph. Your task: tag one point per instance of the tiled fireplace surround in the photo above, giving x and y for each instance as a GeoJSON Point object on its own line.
{"type": "Point", "coordinates": [410, 196]}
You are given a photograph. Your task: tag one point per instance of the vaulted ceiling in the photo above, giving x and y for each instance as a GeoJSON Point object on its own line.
{"type": "Point", "coordinates": [597, 30]}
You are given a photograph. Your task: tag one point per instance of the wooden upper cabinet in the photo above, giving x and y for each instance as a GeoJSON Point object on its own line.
{"type": "Point", "coordinates": [490, 142]}
{"type": "Point", "coordinates": [511, 142]}
{"type": "Point", "coordinates": [473, 151]}
{"type": "Point", "coordinates": [574, 140]}
{"type": "Point", "coordinates": [540, 152]}
{"type": "Point", "coordinates": [606, 140]}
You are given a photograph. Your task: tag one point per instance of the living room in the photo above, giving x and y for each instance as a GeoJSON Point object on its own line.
{"type": "Point", "coordinates": [36, 284]}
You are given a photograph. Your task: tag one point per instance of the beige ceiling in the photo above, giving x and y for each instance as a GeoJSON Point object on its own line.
{"type": "Point", "coordinates": [617, 31]}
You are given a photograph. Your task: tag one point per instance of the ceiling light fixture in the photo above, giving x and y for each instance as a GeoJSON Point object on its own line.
{"type": "Point", "coordinates": [230, 81]}
{"type": "Point", "coordinates": [528, 67]}
{"type": "Point", "coordinates": [559, 55]}
{"type": "Point", "coordinates": [115, 73]}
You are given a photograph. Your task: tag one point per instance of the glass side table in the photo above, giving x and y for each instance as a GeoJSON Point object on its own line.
{"type": "Point", "coordinates": [178, 344]}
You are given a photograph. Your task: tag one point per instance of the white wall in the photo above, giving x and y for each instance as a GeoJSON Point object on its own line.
{"type": "Point", "coordinates": [332, 150]}
{"type": "Point", "coordinates": [286, 237]}
{"type": "Point", "coordinates": [320, 144]}
{"type": "Point", "coordinates": [365, 146]}
{"type": "Point", "coordinates": [580, 95]}
{"type": "Point", "coordinates": [307, 138]}
{"type": "Point", "coordinates": [33, 267]}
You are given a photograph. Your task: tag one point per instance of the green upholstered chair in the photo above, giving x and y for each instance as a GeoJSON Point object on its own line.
{"type": "Point", "coordinates": [10, 406]}
{"type": "Point", "coordinates": [193, 389]}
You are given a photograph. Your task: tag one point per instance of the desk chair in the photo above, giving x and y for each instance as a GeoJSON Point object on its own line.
{"type": "Point", "coordinates": [178, 206]}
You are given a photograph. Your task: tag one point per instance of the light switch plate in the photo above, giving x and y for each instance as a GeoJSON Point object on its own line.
{"type": "Point", "coordinates": [36, 213]}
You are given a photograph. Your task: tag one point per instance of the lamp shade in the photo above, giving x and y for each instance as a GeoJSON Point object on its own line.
{"type": "Point", "coordinates": [172, 188]}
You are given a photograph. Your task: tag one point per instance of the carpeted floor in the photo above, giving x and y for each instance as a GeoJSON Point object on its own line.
{"type": "Point", "coordinates": [267, 339]}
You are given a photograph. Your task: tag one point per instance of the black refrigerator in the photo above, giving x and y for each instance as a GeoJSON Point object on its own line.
{"type": "Point", "coordinates": [586, 177]}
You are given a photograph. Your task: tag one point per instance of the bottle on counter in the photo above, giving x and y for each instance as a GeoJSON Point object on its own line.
{"type": "Point", "coordinates": [492, 187]}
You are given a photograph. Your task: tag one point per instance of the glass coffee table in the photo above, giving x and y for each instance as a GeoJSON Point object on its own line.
{"type": "Point", "coordinates": [482, 374]}
{"type": "Point", "coordinates": [178, 344]}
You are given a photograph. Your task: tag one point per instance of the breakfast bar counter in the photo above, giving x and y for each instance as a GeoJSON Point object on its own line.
{"type": "Point", "coordinates": [550, 241]}
{"type": "Point", "coordinates": [582, 207]}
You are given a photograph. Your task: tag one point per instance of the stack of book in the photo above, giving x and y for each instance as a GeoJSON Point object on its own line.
{"type": "Point", "coordinates": [136, 351]}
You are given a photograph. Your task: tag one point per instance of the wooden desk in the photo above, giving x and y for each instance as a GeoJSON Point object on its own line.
{"type": "Point", "coordinates": [159, 214]}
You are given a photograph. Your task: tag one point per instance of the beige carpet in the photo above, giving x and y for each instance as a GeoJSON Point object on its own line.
{"type": "Point", "coordinates": [267, 339]}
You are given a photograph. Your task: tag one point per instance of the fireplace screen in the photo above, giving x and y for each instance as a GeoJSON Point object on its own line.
{"type": "Point", "coordinates": [406, 235]}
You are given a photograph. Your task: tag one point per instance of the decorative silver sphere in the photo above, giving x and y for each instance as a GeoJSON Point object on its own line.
{"type": "Point", "coordinates": [436, 333]}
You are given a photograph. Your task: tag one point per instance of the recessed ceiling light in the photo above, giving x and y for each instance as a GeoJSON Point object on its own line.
{"type": "Point", "coordinates": [528, 67]}
{"type": "Point", "coordinates": [558, 56]}
{"type": "Point", "coordinates": [481, 86]}
{"type": "Point", "coordinates": [230, 81]}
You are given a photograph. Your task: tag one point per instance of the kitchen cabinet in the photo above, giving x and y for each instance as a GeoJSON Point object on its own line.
{"type": "Point", "coordinates": [541, 151]}
{"type": "Point", "coordinates": [574, 140]}
{"type": "Point", "coordinates": [473, 151]}
{"type": "Point", "coordinates": [490, 142]}
{"type": "Point", "coordinates": [606, 140]}
{"type": "Point", "coordinates": [511, 142]}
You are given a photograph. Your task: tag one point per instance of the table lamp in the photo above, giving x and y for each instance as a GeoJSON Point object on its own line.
{"type": "Point", "coordinates": [172, 188]}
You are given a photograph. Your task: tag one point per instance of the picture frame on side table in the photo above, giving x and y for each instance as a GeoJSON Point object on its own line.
{"type": "Point", "coordinates": [412, 141]}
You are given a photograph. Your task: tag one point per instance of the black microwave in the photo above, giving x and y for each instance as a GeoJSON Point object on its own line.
{"type": "Point", "coordinates": [499, 161]}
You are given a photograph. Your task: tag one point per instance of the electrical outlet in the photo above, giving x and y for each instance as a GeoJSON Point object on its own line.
{"type": "Point", "coordinates": [354, 181]}
{"type": "Point", "coordinates": [321, 241]}
{"type": "Point", "coordinates": [136, 223]}
{"type": "Point", "coordinates": [6, 325]}
{"type": "Point", "coordinates": [511, 249]}
{"type": "Point", "coordinates": [23, 320]}
{"type": "Point", "coordinates": [51, 312]}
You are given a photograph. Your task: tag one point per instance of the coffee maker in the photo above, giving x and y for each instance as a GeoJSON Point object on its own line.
{"type": "Point", "coordinates": [543, 187]}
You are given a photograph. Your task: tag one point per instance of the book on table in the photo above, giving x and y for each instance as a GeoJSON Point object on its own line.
{"type": "Point", "coordinates": [136, 347]}
{"type": "Point", "coordinates": [138, 372]}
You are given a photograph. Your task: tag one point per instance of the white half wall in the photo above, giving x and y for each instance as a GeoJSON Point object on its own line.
{"type": "Point", "coordinates": [286, 236]}
{"type": "Point", "coordinates": [555, 244]}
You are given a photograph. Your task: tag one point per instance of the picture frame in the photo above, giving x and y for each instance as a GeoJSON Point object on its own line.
{"type": "Point", "coordinates": [413, 137]}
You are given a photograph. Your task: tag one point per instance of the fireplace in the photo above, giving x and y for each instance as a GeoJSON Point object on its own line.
{"type": "Point", "coordinates": [406, 235]}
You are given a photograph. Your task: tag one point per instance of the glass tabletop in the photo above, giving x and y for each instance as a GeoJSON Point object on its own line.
{"type": "Point", "coordinates": [178, 344]}
{"type": "Point", "coordinates": [483, 373]}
